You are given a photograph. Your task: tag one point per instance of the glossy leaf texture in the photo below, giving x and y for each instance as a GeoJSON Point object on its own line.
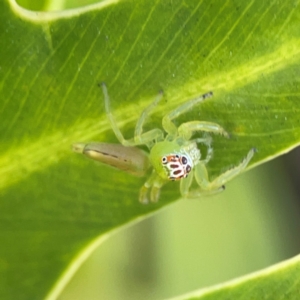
{"type": "Point", "coordinates": [55, 203]}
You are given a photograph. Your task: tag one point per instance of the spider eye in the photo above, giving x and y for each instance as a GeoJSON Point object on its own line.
{"type": "Point", "coordinates": [164, 160]}
{"type": "Point", "coordinates": [184, 160]}
{"type": "Point", "coordinates": [188, 168]}
{"type": "Point", "coordinates": [177, 156]}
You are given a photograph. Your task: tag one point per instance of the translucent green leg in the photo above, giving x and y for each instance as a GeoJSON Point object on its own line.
{"type": "Point", "coordinates": [167, 123]}
{"type": "Point", "coordinates": [185, 184]}
{"type": "Point", "coordinates": [155, 183]}
{"type": "Point", "coordinates": [229, 174]}
{"type": "Point", "coordinates": [187, 129]}
{"type": "Point", "coordinates": [147, 111]}
{"type": "Point", "coordinates": [217, 185]}
{"type": "Point", "coordinates": [206, 140]}
{"type": "Point", "coordinates": [139, 138]}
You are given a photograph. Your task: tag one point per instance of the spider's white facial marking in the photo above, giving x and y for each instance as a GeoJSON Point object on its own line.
{"type": "Point", "coordinates": [176, 166]}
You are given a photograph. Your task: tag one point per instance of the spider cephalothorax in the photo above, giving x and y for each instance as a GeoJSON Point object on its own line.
{"type": "Point", "coordinates": [173, 156]}
{"type": "Point", "coordinates": [177, 166]}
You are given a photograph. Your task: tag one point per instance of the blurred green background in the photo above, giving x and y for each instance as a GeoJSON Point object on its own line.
{"type": "Point", "coordinates": [192, 244]}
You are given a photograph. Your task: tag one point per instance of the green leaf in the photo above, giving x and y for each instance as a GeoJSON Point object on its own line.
{"type": "Point", "coordinates": [54, 203]}
{"type": "Point", "coordinates": [281, 280]}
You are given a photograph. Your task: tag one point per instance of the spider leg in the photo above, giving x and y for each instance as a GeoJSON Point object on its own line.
{"type": "Point", "coordinates": [155, 183]}
{"type": "Point", "coordinates": [145, 114]}
{"type": "Point", "coordinates": [167, 123]}
{"type": "Point", "coordinates": [185, 184]}
{"type": "Point", "coordinates": [206, 140]}
{"type": "Point", "coordinates": [139, 138]}
{"type": "Point", "coordinates": [149, 136]}
{"type": "Point", "coordinates": [207, 187]}
{"type": "Point", "coordinates": [187, 129]}
{"type": "Point", "coordinates": [229, 174]}
{"type": "Point", "coordinates": [203, 190]}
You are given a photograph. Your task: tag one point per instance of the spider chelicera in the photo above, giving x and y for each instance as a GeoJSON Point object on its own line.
{"type": "Point", "coordinates": [173, 156]}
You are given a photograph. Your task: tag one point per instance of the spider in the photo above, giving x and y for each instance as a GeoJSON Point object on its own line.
{"type": "Point", "coordinates": [174, 156]}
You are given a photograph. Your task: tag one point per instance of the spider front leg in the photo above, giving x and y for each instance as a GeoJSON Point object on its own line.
{"type": "Point", "coordinates": [155, 183]}
{"type": "Point", "coordinates": [206, 140]}
{"type": "Point", "coordinates": [187, 129]}
{"type": "Point", "coordinates": [186, 183]}
{"type": "Point", "coordinates": [167, 123]}
{"type": "Point", "coordinates": [207, 187]}
{"type": "Point", "coordinates": [139, 138]}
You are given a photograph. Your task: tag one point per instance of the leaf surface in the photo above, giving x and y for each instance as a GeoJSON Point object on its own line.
{"type": "Point", "coordinates": [55, 203]}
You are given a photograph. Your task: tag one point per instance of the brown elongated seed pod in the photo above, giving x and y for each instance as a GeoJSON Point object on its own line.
{"type": "Point", "coordinates": [129, 159]}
